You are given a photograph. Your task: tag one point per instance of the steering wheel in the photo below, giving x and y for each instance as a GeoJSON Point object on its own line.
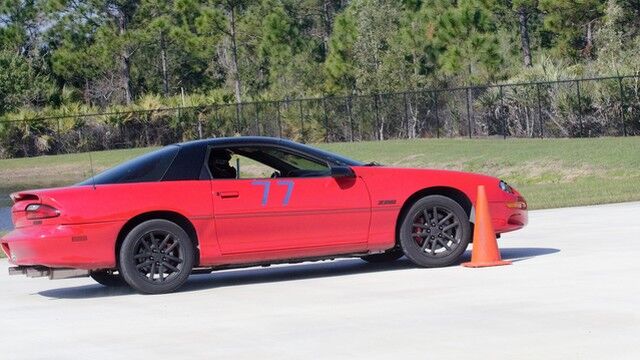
{"type": "Point", "coordinates": [275, 174]}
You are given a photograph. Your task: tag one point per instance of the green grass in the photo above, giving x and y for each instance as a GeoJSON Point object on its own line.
{"type": "Point", "coordinates": [549, 172]}
{"type": "Point", "coordinates": [58, 170]}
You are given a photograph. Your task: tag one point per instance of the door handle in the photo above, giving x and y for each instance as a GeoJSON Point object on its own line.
{"type": "Point", "coordinates": [228, 194]}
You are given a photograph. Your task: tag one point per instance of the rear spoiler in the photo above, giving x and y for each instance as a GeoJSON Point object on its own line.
{"type": "Point", "coordinates": [19, 196]}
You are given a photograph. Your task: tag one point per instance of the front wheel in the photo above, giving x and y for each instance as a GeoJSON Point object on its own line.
{"type": "Point", "coordinates": [156, 257]}
{"type": "Point", "coordinates": [435, 231]}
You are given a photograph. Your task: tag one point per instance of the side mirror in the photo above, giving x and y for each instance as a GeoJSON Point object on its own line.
{"type": "Point", "coordinates": [342, 172]}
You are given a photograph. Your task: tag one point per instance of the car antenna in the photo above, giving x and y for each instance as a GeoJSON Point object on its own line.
{"type": "Point", "coordinates": [93, 180]}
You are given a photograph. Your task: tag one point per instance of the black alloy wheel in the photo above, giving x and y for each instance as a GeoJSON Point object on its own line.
{"type": "Point", "coordinates": [156, 257]}
{"type": "Point", "coordinates": [435, 231]}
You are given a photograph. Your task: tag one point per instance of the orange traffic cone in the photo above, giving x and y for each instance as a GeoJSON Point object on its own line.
{"type": "Point", "coordinates": [485, 246]}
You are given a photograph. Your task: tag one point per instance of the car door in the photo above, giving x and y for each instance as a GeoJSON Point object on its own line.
{"type": "Point", "coordinates": [291, 213]}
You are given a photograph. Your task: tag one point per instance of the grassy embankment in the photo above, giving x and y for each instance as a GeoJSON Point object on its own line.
{"type": "Point", "coordinates": [550, 173]}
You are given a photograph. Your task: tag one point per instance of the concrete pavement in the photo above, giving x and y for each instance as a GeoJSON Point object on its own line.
{"type": "Point", "coordinates": [572, 293]}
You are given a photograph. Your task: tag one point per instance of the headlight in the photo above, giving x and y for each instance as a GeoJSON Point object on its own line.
{"type": "Point", "coordinates": [505, 187]}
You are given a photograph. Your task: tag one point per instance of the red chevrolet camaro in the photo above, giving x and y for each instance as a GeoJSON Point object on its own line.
{"type": "Point", "coordinates": [246, 201]}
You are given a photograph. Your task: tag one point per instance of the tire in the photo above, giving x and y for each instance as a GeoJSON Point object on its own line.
{"type": "Point", "coordinates": [156, 257]}
{"type": "Point", "coordinates": [442, 244]}
{"type": "Point", "coordinates": [388, 256]}
{"type": "Point", "coordinates": [107, 278]}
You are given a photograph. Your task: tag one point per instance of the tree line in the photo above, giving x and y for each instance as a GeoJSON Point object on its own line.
{"type": "Point", "coordinates": [70, 55]}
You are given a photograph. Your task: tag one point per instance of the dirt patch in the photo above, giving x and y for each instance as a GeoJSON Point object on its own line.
{"type": "Point", "coordinates": [542, 172]}
{"type": "Point", "coordinates": [48, 172]}
{"type": "Point", "coordinates": [529, 172]}
{"type": "Point", "coordinates": [568, 173]}
{"type": "Point", "coordinates": [408, 161]}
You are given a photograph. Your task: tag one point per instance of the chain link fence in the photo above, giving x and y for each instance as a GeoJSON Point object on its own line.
{"type": "Point", "coordinates": [606, 106]}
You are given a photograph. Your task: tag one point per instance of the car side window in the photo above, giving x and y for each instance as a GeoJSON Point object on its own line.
{"type": "Point", "coordinates": [146, 168]}
{"type": "Point", "coordinates": [297, 161]}
{"type": "Point", "coordinates": [251, 169]}
{"type": "Point", "coordinates": [260, 162]}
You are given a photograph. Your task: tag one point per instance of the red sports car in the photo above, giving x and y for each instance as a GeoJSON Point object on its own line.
{"type": "Point", "coordinates": [246, 201]}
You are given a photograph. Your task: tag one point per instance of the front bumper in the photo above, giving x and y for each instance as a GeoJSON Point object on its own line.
{"type": "Point", "coordinates": [82, 246]}
{"type": "Point", "coordinates": [505, 218]}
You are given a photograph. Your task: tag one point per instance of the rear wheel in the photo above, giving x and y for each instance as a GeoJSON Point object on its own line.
{"type": "Point", "coordinates": [388, 256]}
{"type": "Point", "coordinates": [156, 257]}
{"type": "Point", "coordinates": [435, 231]}
{"type": "Point", "coordinates": [107, 278]}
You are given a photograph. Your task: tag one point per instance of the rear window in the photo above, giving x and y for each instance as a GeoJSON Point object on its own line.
{"type": "Point", "coordinates": [146, 168]}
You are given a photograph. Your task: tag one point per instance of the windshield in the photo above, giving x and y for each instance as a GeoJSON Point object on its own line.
{"type": "Point", "coordinates": [335, 158]}
{"type": "Point", "coordinates": [146, 168]}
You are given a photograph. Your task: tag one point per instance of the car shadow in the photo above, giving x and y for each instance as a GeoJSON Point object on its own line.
{"type": "Point", "coordinates": [520, 254]}
{"type": "Point", "coordinates": [342, 267]}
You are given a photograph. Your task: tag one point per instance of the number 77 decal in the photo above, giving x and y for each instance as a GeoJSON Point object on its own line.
{"type": "Point", "coordinates": [267, 187]}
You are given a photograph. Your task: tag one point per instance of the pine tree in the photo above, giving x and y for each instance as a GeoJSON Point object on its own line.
{"type": "Point", "coordinates": [572, 23]}
{"type": "Point", "coordinates": [466, 32]}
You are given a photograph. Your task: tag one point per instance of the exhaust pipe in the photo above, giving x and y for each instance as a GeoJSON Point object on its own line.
{"type": "Point", "coordinates": [18, 270]}
{"type": "Point", "coordinates": [51, 273]}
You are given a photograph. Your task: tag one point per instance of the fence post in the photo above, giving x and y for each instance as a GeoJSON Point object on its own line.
{"type": "Point", "coordinates": [348, 103]}
{"type": "Point", "coordinates": [435, 110]}
{"type": "Point", "coordinates": [278, 120]}
{"type": "Point", "coordinates": [199, 124]}
{"type": "Point", "coordinates": [125, 133]}
{"type": "Point", "coordinates": [502, 117]}
{"type": "Point", "coordinates": [144, 140]}
{"type": "Point", "coordinates": [579, 108]}
{"type": "Point", "coordinates": [361, 126]}
{"type": "Point", "coordinates": [326, 119]}
{"type": "Point", "coordinates": [375, 105]}
{"type": "Point", "coordinates": [406, 115]}
{"type": "Point", "coordinates": [622, 113]}
{"type": "Point", "coordinates": [257, 105]}
{"type": "Point", "coordinates": [217, 118]}
{"type": "Point", "coordinates": [238, 118]}
{"type": "Point", "coordinates": [469, 110]}
{"type": "Point", "coordinates": [540, 111]}
{"type": "Point", "coordinates": [302, 134]}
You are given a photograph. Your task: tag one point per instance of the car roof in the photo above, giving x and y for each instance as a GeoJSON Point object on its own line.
{"type": "Point", "coordinates": [265, 140]}
{"type": "Point", "coordinates": [238, 140]}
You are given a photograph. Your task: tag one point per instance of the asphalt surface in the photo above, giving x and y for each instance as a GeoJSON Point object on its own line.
{"type": "Point", "coordinates": [572, 293]}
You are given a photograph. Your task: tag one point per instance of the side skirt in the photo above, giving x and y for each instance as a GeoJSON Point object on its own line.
{"type": "Point", "coordinates": [206, 270]}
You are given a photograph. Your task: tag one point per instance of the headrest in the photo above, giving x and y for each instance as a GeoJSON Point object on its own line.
{"type": "Point", "coordinates": [220, 156]}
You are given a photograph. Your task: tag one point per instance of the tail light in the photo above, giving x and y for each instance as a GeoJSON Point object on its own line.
{"type": "Point", "coordinates": [40, 211]}
{"type": "Point", "coordinates": [5, 248]}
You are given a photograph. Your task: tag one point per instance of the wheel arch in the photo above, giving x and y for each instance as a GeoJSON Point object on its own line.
{"type": "Point", "coordinates": [172, 216]}
{"type": "Point", "coordinates": [454, 194]}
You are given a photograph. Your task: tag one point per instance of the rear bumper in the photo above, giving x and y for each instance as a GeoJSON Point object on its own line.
{"type": "Point", "coordinates": [84, 246]}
